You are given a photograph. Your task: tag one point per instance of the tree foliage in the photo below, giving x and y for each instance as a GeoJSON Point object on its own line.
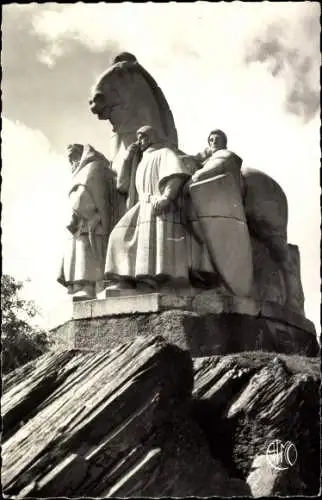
{"type": "Point", "coordinates": [21, 341]}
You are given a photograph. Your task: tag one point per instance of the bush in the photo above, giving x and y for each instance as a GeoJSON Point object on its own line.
{"type": "Point", "coordinates": [21, 341]}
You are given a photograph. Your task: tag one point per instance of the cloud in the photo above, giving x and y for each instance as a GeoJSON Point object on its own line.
{"type": "Point", "coordinates": [199, 29]}
{"type": "Point", "coordinates": [289, 48]}
{"type": "Point", "coordinates": [48, 57]}
{"type": "Point", "coordinates": [262, 54]}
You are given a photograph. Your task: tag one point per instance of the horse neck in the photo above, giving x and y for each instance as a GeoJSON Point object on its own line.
{"type": "Point", "coordinates": [138, 115]}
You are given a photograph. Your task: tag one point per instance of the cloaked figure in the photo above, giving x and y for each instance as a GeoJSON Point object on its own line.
{"type": "Point", "coordinates": [148, 245]}
{"type": "Point", "coordinates": [93, 213]}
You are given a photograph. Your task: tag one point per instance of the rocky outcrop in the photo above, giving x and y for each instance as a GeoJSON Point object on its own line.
{"type": "Point", "coordinates": [113, 423]}
{"type": "Point", "coordinates": [144, 420]}
{"type": "Point", "coordinates": [247, 401]}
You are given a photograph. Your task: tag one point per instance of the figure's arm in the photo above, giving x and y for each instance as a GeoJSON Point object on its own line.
{"type": "Point", "coordinates": [217, 165]}
{"type": "Point", "coordinates": [169, 194]}
{"type": "Point", "coordinates": [74, 223]}
{"type": "Point", "coordinates": [82, 202]}
{"type": "Point", "coordinates": [202, 157]}
{"type": "Point", "coordinates": [124, 177]}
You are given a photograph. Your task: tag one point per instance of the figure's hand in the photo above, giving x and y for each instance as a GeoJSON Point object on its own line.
{"type": "Point", "coordinates": [162, 205]}
{"type": "Point", "coordinates": [73, 224]}
{"type": "Point", "coordinates": [203, 156]}
{"type": "Point", "coordinates": [186, 186]}
{"type": "Point", "coordinates": [133, 148]}
{"type": "Point", "coordinates": [196, 177]}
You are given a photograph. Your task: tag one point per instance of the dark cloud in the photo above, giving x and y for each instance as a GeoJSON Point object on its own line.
{"type": "Point", "coordinates": [297, 66]}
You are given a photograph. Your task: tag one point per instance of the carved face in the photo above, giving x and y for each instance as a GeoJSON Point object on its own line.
{"type": "Point", "coordinates": [104, 102]}
{"type": "Point", "coordinates": [74, 153]}
{"type": "Point", "coordinates": [216, 141]}
{"type": "Point", "coordinates": [144, 140]}
{"type": "Point", "coordinates": [146, 136]}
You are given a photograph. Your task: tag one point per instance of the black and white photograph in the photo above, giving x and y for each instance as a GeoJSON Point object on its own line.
{"type": "Point", "coordinates": [161, 229]}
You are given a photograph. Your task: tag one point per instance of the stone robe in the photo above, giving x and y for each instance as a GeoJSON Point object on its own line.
{"type": "Point", "coordinates": [143, 244]}
{"type": "Point", "coordinates": [94, 212]}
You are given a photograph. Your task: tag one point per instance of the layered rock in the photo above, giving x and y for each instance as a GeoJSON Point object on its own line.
{"type": "Point", "coordinates": [131, 422]}
{"type": "Point", "coordinates": [244, 402]}
{"type": "Point", "coordinates": [114, 423]}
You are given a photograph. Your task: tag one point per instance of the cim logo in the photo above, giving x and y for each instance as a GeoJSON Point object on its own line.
{"type": "Point", "coordinates": [281, 456]}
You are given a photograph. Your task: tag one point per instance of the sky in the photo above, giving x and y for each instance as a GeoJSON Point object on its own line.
{"type": "Point", "coordinates": [249, 68]}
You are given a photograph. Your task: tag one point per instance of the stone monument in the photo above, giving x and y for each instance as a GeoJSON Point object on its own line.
{"type": "Point", "coordinates": [202, 238]}
{"type": "Point", "coordinates": [196, 258]}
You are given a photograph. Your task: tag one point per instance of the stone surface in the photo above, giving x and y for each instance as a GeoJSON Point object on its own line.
{"type": "Point", "coordinates": [278, 282]}
{"type": "Point", "coordinates": [244, 401]}
{"type": "Point", "coordinates": [204, 323]}
{"type": "Point", "coordinates": [201, 302]}
{"type": "Point", "coordinates": [129, 304]}
{"type": "Point", "coordinates": [295, 299]}
{"type": "Point", "coordinates": [266, 481]}
{"type": "Point", "coordinates": [268, 276]}
{"type": "Point", "coordinates": [115, 423]}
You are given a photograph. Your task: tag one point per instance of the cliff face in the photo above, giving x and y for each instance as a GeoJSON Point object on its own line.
{"type": "Point", "coordinates": [145, 419]}
{"type": "Point", "coordinates": [247, 401]}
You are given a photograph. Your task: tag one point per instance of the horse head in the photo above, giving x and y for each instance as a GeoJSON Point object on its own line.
{"type": "Point", "coordinates": [127, 96]}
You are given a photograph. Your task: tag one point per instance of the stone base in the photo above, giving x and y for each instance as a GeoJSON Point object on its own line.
{"type": "Point", "coordinates": [205, 324]}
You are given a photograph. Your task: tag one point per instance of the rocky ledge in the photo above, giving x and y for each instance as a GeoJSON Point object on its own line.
{"type": "Point", "coordinates": [145, 420]}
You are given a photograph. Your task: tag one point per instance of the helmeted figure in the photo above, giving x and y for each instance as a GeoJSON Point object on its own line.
{"type": "Point", "coordinates": [93, 213]}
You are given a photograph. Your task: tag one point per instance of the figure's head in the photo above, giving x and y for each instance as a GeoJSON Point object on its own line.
{"type": "Point", "coordinates": [74, 153]}
{"type": "Point", "coordinates": [146, 136]}
{"type": "Point", "coordinates": [217, 139]}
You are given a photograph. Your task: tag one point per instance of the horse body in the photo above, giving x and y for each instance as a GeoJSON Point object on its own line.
{"type": "Point", "coordinates": [266, 209]}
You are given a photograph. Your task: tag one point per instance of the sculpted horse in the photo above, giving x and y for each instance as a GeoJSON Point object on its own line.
{"type": "Point", "coordinates": [128, 96]}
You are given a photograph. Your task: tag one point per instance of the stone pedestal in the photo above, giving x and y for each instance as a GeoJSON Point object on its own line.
{"type": "Point", "coordinates": [205, 323]}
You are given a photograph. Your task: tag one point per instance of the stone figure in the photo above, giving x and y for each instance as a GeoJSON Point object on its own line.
{"type": "Point", "coordinates": [264, 200]}
{"type": "Point", "coordinates": [93, 203]}
{"type": "Point", "coordinates": [275, 264]}
{"type": "Point", "coordinates": [217, 159]}
{"type": "Point", "coordinates": [218, 214]}
{"type": "Point", "coordinates": [148, 244]}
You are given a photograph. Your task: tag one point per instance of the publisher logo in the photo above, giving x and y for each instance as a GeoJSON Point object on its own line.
{"type": "Point", "coordinates": [281, 456]}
